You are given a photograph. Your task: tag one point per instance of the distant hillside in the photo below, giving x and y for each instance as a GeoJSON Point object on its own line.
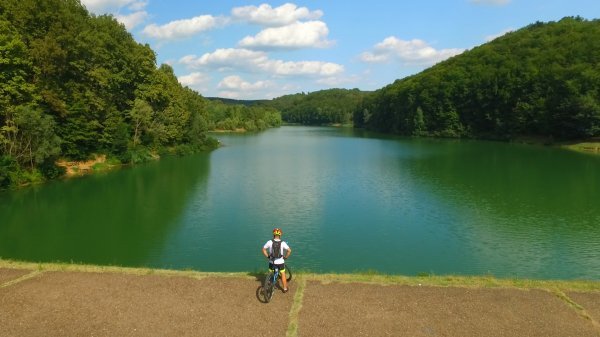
{"type": "Point", "coordinates": [231, 101]}
{"type": "Point", "coordinates": [542, 80]}
{"type": "Point", "coordinates": [319, 107]}
{"type": "Point", "coordinates": [231, 114]}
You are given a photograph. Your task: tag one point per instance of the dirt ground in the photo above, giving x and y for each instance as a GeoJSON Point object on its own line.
{"type": "Point", "coordinates": [108, 304]}
{"type": "Point", "coordinates": [372, 310]}
{"type": "Point", "coordinates": [11, 274]}
{"type": "Point", "coordinates": [77, 303]}
{"type": "Point", "coordinates": [590, 301]}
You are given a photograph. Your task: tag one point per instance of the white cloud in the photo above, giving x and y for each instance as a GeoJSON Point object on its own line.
{"type": "Point", "coordinates": [184, 28]}
{"type": "Point", "coordinates": [193, 79]}
{"type": "Point", "coordinates": [258, 61]}
{"type": "Point", "coordinates": [283, 15]}
{"type": "Point", "coordinates": [317, 68]}
{"type": "Point", "coordinates": [495, 36]}
{"type": "Point", "coordinates": [235, 83]}
{"type": "Point", "coordinates": [132, 20]}
{"type": "Point", "coordinates": [414, 52]}
{"type": "Point", "coordinates": [311, 34]}
{"type": "Point", "coordinates": [227, 59]}
{"type": "Point", "coordinates": [491, 2]}
{"type": "Point", "coordinates": [138, 6]}
{"type": "Point", "coordinates": [136, 16]}
{"type": "Point", "coordinates": [339, 81]}
{"type": "Point", "coordinates": [108, 6]}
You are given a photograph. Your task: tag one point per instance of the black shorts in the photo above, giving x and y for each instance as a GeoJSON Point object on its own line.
{"type": "Point", "coordinates": [280, 266]}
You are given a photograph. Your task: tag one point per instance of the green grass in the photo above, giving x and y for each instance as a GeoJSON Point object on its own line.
{"type": "Point", "coordinates": [294, 314]}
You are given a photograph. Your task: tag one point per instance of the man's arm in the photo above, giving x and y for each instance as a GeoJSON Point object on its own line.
{"type": "Point", "coordinates": [264, 251]}
{"type": "Point", "coordinates": [288, 253]}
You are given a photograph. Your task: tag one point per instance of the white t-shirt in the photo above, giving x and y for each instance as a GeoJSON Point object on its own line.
{"type": "Point", "coordinates": [284, 245]}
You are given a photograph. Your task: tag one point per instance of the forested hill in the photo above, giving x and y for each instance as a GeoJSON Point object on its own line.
{"type": "Point", "coordinates": [73, 84]}
{"type": "Point", "coordinates": [320, 107]}
{"type": "Point", "coordinates": [542, 80]}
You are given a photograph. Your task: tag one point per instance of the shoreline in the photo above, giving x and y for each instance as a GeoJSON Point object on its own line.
{"type": "Point", "coordinates": [478, 281]}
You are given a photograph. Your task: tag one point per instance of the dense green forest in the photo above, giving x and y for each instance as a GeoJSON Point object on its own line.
{"type": "Point", "coordinates": [74, 85]}
{"type": "Point", "coordinates": [542, 80]}
{"type": "Point", "coordinates": [231, 116]}
{"type": "Point", "coordinates": [320, 107]}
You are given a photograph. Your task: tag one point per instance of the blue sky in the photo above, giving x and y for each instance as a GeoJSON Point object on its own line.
{"type": "Point", "coordinates": [257, 50]}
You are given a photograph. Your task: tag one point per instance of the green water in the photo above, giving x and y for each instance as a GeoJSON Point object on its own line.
{"type": "Point", "coordinates": [347, 201]}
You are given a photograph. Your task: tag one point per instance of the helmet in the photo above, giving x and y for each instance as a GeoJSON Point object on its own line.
{"type": "Point", "coordinates": [277, 231]}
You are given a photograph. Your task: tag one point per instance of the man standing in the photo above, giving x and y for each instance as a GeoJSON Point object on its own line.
{"type": "Point", "coordinates": [273, 250]}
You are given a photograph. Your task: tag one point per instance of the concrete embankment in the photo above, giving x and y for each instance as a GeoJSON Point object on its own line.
{"type": "Point", "coordinates": [72, 300]}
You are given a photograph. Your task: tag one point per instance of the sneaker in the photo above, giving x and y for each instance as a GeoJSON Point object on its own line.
{"type": "Point", "coordinates": [285, 290]}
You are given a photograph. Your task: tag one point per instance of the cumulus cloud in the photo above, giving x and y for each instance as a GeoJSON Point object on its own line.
{"type": "Point", "coordinates": [258, 61]}
{"type": "Point", "coordinates": [138, 6]}
{"type": "Point", "coordinates": [193, 80]}
{"type": "Point", "coordinates": [491, 2]}
{"type": "Point", "coordinates": [136, 14]}
{"type": "Point", "coordinates": [283, 15]}
{"type": "Point", "coordinates": [132, 20]}
{"type": "Point", "coordinates": [109, 6]}
{"type": "Point", "coordinates": [317, 68]}
{"type": "Point", "coordinates": [236, 83]}
{"type": "Point", "coordinates": [227, 59]}
{"type": "Point", "coordinates": [311, 34]}
{"type": "Point", "coordinates": [414, 52]}
{"type": "Point", "coordinates": [184, 28]}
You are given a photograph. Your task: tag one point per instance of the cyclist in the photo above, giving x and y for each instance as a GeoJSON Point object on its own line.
{"type": "Point", "coordinates": [275, 255]}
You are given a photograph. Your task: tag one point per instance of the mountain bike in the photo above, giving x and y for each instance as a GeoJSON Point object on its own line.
{"type": "Point", "coordinates": [270, 282]}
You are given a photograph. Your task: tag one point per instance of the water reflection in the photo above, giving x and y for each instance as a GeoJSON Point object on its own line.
{"type": "Point", "coordinates": [115, 218]}
{"type": "Point", "coordinates": [523, 211]}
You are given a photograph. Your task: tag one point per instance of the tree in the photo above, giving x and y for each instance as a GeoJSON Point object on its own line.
{"type": "Point", "coordinates": [29, 137]}
{"type": "Point", "coordinates": [141, 117]}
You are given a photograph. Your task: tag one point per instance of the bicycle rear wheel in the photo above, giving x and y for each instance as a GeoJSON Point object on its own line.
{"type": "Point", "coordinates": [288, 273]}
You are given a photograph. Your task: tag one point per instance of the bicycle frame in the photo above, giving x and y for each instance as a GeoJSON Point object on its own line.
{"type": "Point", "coordinates": [275, 276]}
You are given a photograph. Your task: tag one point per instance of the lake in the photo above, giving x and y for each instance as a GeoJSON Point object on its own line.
{"type": "Point", "coordinates": [347, 201]}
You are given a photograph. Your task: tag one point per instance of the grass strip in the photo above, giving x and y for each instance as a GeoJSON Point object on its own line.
{"type": "Point", "coordinates": [575, 306]}
{"type": "Point", "coordinates": [294, 316]}
{"type": "Point", "coordinates": [458, 281]}
{"type": "Point", "coordinates": [71, 267]}
{"type": "Point", "coordinates": [28, 276]}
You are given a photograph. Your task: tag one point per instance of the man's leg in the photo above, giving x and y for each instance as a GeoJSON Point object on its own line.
{"type": "Point", "coordinates": [284, 281]}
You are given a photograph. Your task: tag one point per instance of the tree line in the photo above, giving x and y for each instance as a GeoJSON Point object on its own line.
{"type": "Point", "coordinates": [230, 115]}
{"type": "Point", "coordinates": [542, 80]}
{"type": "Point", "coordinates": [332, 106]}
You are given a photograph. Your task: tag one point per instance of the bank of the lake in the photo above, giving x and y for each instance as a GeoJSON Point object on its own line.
{"type": "Point", "coordinates": [481, 281]}
{"type": "Point", "coordinates": [591, 146]}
